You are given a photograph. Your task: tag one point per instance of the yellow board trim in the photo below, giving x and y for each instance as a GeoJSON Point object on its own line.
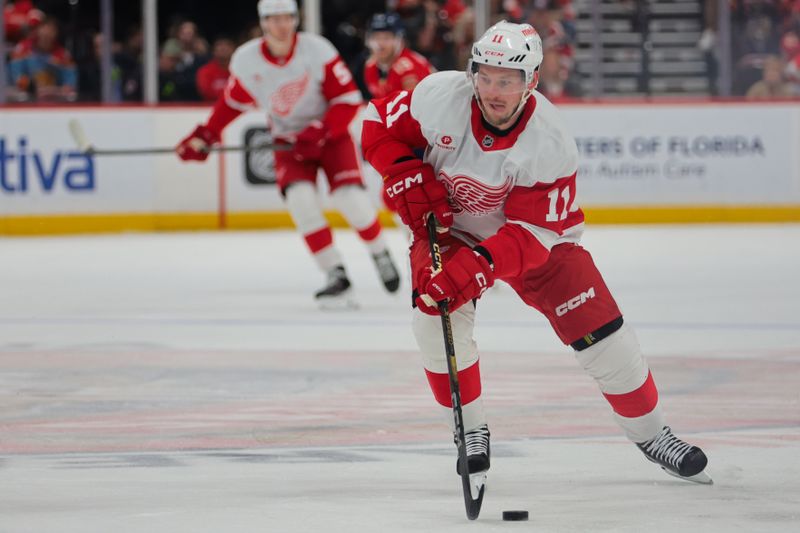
{"type": "Point", "coordinates": [118, 222]}
{"type": "Point", "coordinates": [696, 214]}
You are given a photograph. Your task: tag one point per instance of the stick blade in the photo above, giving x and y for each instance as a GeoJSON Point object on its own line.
{"type": "Point", "coordinates": [473, 505]}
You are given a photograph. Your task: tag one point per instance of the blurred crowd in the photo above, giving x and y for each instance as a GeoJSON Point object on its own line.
{"type": "Point", "coordinates": [766, 48]}
{"type": "Point", "coordinates": [44, 66]}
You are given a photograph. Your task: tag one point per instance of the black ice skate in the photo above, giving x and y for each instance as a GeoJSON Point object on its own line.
{"type": "Point", "coordinates": [477, 441]}
{"type": "Point", "coordinates": [676, 457]}
{"type": "Point", "coordinates": [336, 294]}
{"type": "Point", "coordinates": [387, 271]}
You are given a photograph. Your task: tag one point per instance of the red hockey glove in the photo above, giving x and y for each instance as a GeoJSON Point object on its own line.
{"type": "Point", "coordinates": [424, 303]}
{"type": "Point", "coordinates": [309, 143]}
{"type": "Point", "coordinates": [415, 192]}
{"type": "Point", "coordinates": [195, 146]}
{"type": "Point", "coordinates": [464, 277]}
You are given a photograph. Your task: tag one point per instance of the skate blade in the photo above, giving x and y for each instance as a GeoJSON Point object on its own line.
{"type": "Point", "coordinates": [343, 302]}
{"type": "Point", "coordinates": [702, 478]}
{"type": "Point", "coordinates": [477, 481]}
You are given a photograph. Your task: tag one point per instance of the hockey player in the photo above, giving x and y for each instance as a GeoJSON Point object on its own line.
{"type": "Point", "coordinates": [499, 173]}
{"type": "Point", "coordinates": [391, 66]}
{"type": "Point", "coordinates": [310, 98]}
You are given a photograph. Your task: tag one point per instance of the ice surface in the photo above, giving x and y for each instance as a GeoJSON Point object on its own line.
{"type": "Point", "coordinates": [187, 382]}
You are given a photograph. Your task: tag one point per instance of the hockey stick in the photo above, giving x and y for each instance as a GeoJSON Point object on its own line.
{"type": "Point", "coordinates": [473, 505]}
{"type": "Point", "coordinates": [80, 138]}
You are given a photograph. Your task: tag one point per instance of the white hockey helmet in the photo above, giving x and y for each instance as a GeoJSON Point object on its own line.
{"type": "Point", "coordinates": [509, 45]}
{"type": "Point", "coordinates": [276, 7]}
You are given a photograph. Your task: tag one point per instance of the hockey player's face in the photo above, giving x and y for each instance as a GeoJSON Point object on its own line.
{"type": "Point", "coordinates": [500, 90]}
{"type": "Point", "coordinates": [384, 45]}
{"type": "Point", "coordinates": [279, 27]}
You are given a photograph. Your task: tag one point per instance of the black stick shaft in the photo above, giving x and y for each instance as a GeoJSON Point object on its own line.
{"type": "Point", "coordinates": [171, 150]}
{"type": "Point", "coordinates": [452, 372]}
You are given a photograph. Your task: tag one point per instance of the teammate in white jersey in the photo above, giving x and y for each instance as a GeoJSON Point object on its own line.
{"type": "Point", "coordinates": [499, 172]}
{"type": "Point", "coordinates": [311, 99]}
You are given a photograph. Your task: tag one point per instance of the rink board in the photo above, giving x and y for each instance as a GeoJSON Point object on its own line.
{"type": "Point", "coordinates": [733, 162]}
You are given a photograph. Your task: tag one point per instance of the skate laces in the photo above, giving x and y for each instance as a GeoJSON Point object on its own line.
{"type": "Point", "coordinates": [667, 447]}
{"type": "Point", "coordinates": [477, 440]}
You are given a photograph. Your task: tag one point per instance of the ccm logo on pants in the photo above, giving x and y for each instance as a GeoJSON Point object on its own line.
{"type": "Point", "coordinates": [572, 303]}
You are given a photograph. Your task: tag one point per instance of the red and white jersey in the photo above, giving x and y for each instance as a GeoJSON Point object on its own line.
{"type": "Point", "coordinates": [294, 90]}
{"type": "Point", "coordinates": [525, 177]}
{"type": "Point", "coordinates": [408, 69]}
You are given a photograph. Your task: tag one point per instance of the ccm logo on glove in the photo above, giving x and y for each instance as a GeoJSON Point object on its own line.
{"type": "Point", "coordinates": [415, 192]}
{"type": "Point", "coordinates": [400, 186]}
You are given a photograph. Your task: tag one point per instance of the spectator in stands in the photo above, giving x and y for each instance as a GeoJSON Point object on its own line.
{"type": "Point", "coordinates": [89, 73]}
{"type": "Point", "coordinates": [756, 36]}
{"type": "Point", "coordinates": [213, 76]}
{"type": "Point", "coordinates": [790, 48]}
{"type": "Point", "coordinates": [463, 32]}
{"type": "Point", "coordinates": [41, 68]}
{"type": "Point", "coordinates": [772, 84]}
{"type": "Point", "coordinates": [708, 37]}
{"type": "Point", "coordinates": [555, 79]}
{"type": "Point", "coordinates": [429, 28]}
{"type": "Point", "coordinates": [182, 56]}
{"type": "Point", "coordinates": [193, 47]}
{"type": "Point", "coordinates": [175, 82]}
{"type": "Point", "coordinates": [129, 60]}
{"type": "Point", "coordinates": [20, 18]}
{"type": "Point", "coordinates": [553, 19]}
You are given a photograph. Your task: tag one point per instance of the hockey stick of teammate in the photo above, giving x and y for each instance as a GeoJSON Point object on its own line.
{"type": "Point", "coordinates": [473, 505]}
{"type": "Point", "coordinates": [80, 138]}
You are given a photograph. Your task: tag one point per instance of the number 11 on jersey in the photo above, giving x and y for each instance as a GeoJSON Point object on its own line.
{"type": "Point", "coordinates": [552, 212]}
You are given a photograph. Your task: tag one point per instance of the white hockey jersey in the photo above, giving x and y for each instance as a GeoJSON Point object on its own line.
{"type": "Point", "coordinates": [295, 90]}
{"type": "Point", "coordinates": [524, 177]}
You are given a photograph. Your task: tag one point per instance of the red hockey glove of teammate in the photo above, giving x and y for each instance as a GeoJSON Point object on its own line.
{"type": "Point", "coordinates": [195, 146]}
{"type": "Point", "coordinates": [463, 277]}
{"type": "Point", "coordinates": [415, 192]}
{"type": "Point", "coordinates": [309, 143]}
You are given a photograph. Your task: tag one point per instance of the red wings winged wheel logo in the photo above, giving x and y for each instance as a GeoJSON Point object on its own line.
{"type": "Point", "coordinates": [287, 96]}
{"type": "Point", "coordinates": [475, 197]}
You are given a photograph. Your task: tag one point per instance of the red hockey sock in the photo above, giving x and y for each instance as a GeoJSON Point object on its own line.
{"type": "Point", "coordinates": [635, 403]}
{"type": "Point", "coordinates": [469, 383]}
{"type": "Point", "coordinates": [319, 240]}
{"type": "Point", "coordinates": [371, 232]}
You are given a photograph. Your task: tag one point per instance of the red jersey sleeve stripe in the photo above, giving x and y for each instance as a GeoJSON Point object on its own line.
{"type": "Point", "coordinates": [237, 97]}
{"type": "Point", "coordinates": [390, 132]}
{"type": "Point", "coordinates": [338, 81]}
{"type": "Point", "coordinates": [547, 205]}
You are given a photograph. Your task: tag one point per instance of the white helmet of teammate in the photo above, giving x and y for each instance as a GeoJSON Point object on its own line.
{"type": "Point", "coordinates": [276, 7]}
{"type": "Point", "coordinates": [508, 45]}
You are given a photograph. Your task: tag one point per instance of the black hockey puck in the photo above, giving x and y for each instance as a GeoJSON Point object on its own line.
{"type": "Point", "coordinates": [515, 516]}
